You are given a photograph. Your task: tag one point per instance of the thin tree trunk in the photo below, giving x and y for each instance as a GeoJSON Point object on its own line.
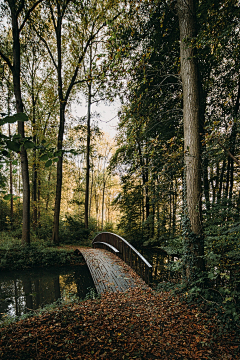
{"type": "Point", "coordinates": [19, 107]}
{"type": "Point", "coordinates": [170, 209]}
{"type": "Point", "coordinates": [38, 202]}
{"type": "Point", "coordinates": [90, 198]}
{"type": "Point", "coordinates": [147, 189]}
{"type": "Point", "coordinates": [227, 178]}
{"type": "Point", "coordinates": [233, 143]}
{"type": "Point", "coordinates": [174, 208]}
{"type": "Point", "coordinates": [88, 153]}
{"type": "Point", "coordinates": [103, 197]}
{"type": "Point", "coordinates": [48, 194]}
{"type": "Point", "coordinates": [34, 170]}
{"type": "Point", "coordinates": [144, 168]}
{"type": "Point", "coordinates": [55, 236]}
{"type": "Point", "coordinates": [219, 194]}
{"type": "Point", "coordinates": [10, 159]}
{"type": "Point", "coordinates": [11, 177]}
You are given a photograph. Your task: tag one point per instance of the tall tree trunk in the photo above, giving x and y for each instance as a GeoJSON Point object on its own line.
{"type": "Point", "coordinates": [153, 211]}
{"type": "Point", "coordinates": [61, 8]}
{"type": "Point", "coordinates": [19, 107]}
{"type": "Point", "coordinates": [90, 198]}
{"type": "Point", "coordinates": [103, 199]}
{"type": "Point", "coordinates": [227, 178]}
{"type": "Point", "coordinates": [144, 170]}
{"type": "Point", "coordinates": [233, 143]}
{"type": "Point", "coordinates": [219, 194]}
{"type": "Point", "coordinates": [39, 207]}
{"type": "Point", "coordinates": [55, 236]}
{"type": "Point", "coordinates": [88, 152]}
{"type": "Point", "coordinates": [10, 159]}
{"type": "Point", "coordinates": [48, 193]}
{"type": "Point", "coordinates": [96, 204]}
{"type": "Point", "coordinates": [191, 118]}
{"type": "Point", "coordinates": [170, 208]}
{"type": "Point", "coordinates": [174, 208]}
{"type": "Point", "coordinates": [34, 170]}
{"type": "Point", "coordinates": [11, 177]}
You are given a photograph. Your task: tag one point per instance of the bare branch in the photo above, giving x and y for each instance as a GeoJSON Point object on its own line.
{"type": "Point", "coordinates": [53, 19]}
{"type": "Point", "coordinates": [29, 13]}
{"type": "Point", "coordinates": [81, 57]}
{"type": "Point", "coordinates": [98, 100]}
{"type": "Point", "coordinates": [5, 58]}
{"type": "Point", "coordinates": [47, 47]}
{"type": "Point", "coordinates": [80, 81]}
{"type": "Point", "coordinates": [21, 6]}
{"type": "Point", "coordinates": [230, 154]}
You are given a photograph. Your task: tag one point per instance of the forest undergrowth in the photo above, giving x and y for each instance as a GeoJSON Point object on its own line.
{"type": "Point", "coordinates": [137, 324]}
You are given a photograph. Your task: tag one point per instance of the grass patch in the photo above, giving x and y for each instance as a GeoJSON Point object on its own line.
{"type": "Point", "coordinates": [15, 256]}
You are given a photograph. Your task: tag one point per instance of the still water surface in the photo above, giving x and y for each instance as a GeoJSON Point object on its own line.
{"type": "Point", "coordinates": [22, 291]}
{"type": "Point", "coordinates": [159, 261]}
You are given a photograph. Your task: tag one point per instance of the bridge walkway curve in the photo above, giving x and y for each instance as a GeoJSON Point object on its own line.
{"type": "Point", "coordinates": [109, 272]}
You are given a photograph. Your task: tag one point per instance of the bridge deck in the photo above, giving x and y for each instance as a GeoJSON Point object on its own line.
{"type": "Point", "coordinates": [109, 272]}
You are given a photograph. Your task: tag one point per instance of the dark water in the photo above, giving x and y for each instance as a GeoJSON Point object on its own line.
{"type": "Point", "coordinates": [159, 261]}
{"type": "Point", "coordinates": [22, 291]}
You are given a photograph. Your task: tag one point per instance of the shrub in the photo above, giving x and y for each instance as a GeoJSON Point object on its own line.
{"type": "Point", "coordinates": [72, 231]}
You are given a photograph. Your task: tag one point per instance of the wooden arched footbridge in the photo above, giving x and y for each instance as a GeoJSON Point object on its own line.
{"type": "Point", "coordinates": [115, 265]}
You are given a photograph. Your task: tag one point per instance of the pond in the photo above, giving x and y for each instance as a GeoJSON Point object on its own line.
{"type": "Point", "coordinates": [159, 261]}
{"type": "Point", "coordinates": [26, 290]}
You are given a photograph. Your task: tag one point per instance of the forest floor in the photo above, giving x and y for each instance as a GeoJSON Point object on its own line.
{"type": "Point", "coordinates": [136, 324]}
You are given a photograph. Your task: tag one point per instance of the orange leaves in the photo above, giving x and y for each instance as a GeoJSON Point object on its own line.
{"type": "Point", "coordinates": [137, 324]}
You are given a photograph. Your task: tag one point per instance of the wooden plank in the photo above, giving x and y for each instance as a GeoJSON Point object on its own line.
{"type": "Point", "coordinates": [109, 272]}
{"type": "Point", "coordinates": [126, 253]}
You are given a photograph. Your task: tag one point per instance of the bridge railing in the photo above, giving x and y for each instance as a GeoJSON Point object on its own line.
{"type": "Point", "coordinates": [126, 252]}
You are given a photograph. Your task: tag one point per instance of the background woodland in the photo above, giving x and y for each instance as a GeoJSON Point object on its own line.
{"type": "Point", "coordinates": [63, 180]}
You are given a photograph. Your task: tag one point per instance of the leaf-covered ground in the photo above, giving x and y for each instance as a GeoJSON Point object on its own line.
{"type": "Point", "coordinates": [137, 324]}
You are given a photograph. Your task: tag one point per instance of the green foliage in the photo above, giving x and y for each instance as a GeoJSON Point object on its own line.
{"type": "Point", "coordinates": [13, 118]}
{"type": "Point", "coordinates": [108, 227]}
{"type": "Point", "coordinates": [4, 215]}
{"type": "Point", "coordinates": [72, 231]}
{"type": "Point", "coordinates": [15, 256]}
{"type": "Point", "coordinates": [44, 227]}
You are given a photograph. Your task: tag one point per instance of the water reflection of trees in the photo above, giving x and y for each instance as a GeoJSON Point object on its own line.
{"type": "Point", "coordinates": [23, 291]}
{"type": "Point", "coordinates": [160, 269]}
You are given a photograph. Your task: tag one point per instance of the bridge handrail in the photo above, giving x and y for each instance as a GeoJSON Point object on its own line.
{"type": "Point", "coordinates": [145, 273]}
{"type": "Point", "coordinates": [108, 245]}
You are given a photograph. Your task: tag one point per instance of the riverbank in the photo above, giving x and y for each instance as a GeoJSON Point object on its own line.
{"type": "Point", "coordinates": [17, 257]}
{"type": "Point", "coordinates": [136, 324]}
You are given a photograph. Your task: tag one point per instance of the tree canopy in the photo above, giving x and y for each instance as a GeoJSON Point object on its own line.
{"type": "Point", "coordinates": [171, 180]}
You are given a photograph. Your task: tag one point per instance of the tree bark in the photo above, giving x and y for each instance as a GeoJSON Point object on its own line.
{"type": "Point", "coordinates": [90, 198]}
{"type": "Point", "coordinates": [103, 199]}
{"type": "Point", "coordinates": [219, 194]}
{"type": "Point", "coordinates": [55, 236]}
{"type": "Point", "coordinates": [88, 152]}
{"type": "Point", "coordinates": [11, 178]}
{"type": "Point", "coordinates": [233, 143]}
{"type": "Point", "coordinates": [19, 107]}
{"type": "Point", "coordinates": [191, 119]}
{"type": "Point", "coordinates": [34, 170]}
